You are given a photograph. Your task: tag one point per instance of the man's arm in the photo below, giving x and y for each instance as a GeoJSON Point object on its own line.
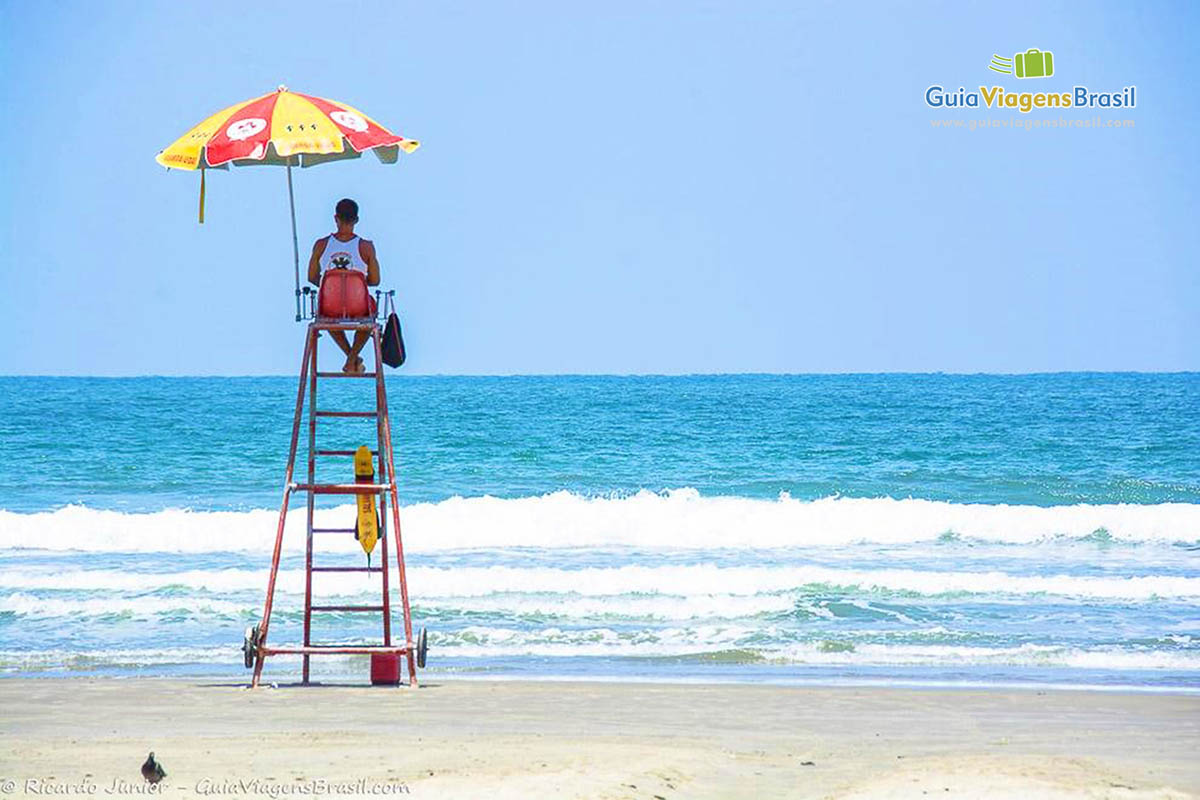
{"type": "Point", "coordinates": [314, 261]}
{"type": "Point", "coordinates": [366, 249]}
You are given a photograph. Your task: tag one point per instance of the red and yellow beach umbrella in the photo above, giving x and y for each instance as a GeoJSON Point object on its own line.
{"type": "Point", "coordinates": [283, 128]}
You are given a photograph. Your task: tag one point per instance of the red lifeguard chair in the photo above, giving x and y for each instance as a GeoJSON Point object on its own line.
{"type": "Point", "coordinates": [352, 311]}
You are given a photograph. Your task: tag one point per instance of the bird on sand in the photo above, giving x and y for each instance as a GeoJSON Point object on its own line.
{"type": "Point", "coordinates": [152, 771]}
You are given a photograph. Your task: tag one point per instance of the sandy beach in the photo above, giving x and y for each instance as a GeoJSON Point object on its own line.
{"type": "Point", "coordinates": [453, 739]}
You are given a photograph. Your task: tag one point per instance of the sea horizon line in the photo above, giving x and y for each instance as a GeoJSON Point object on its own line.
{"type": "Point", "coordinates": [746, 374]}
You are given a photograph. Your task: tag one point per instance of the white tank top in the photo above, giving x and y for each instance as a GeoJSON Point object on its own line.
{"type": "Point", "coordinates": [342, 254]}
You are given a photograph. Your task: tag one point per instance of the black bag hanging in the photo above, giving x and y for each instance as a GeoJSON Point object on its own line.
{"type": "Point", "coordinates": [393, 339]}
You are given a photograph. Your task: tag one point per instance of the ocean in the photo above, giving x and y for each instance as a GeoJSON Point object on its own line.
{"type": "Point", "coordinates": [1039, 530]}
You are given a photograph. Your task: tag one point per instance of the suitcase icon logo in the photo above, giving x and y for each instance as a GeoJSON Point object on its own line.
{"type": "Point", "coordinates": [1033, 63]}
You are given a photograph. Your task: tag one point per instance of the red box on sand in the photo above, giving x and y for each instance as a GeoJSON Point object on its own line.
{"type": "Point", "coordinates": [385, 669]}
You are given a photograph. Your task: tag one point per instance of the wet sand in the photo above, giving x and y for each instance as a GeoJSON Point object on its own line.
{"type": "Point", "coordinates": [496, 739]}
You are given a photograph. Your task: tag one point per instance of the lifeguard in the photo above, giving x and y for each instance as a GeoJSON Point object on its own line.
{"type": "Point", "coordinates": [346, 250]}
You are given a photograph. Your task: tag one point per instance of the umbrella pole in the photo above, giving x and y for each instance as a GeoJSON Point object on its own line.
{"type": "Point", "coordinates": [295, 241]}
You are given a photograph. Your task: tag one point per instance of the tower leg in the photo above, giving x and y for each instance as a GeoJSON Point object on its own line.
{"type": "Point", "coordinates": [385, 425]}
{"type": "Point", "coordinates": [312, 476]}
{"type": "Point", "coordinates": [383, 476]}
{"type": "Point", "coordinates": [309, 344]}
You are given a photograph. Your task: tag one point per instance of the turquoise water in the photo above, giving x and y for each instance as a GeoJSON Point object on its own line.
{"type": "Point", "coordinates": [918, 529]}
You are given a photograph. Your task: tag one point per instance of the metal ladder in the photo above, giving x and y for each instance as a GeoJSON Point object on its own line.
{"type": "Point", "coordinates": [255, 646]}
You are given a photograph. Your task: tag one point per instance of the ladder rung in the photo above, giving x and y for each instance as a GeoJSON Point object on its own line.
{"type": "Point", "coordinates": [318, 649]}
{"type": "Point", "coordinates": [345, 374]}
{"type": "Point", "coordinates": [342, 488]}
{"type": "Point", "coordinates": [346, 413]}
{"type": "Point", "coordinates": [340, 452]}
{"type": "Point", "coordinates": [333, 530]}
{"type": "Point", "coordinates": [347, 569]}
{"type": "Point", "coordinates": [346, 608]}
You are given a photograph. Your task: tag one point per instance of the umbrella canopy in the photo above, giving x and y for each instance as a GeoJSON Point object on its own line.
{"type": "Point", "coordinates": [283, 128]}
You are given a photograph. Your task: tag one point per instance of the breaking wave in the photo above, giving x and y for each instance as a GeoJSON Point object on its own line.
{"type": "Point", "coordinates": [710, 584]}
{"type": "Point", "coordinates": [678, 518]}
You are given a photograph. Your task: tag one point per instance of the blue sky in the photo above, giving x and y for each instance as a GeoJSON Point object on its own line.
{"type": "Point", "coordinates": [619, 187]}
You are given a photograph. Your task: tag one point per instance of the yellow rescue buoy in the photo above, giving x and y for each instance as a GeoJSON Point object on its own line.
{"type": "Point", "coordinates": [366, 527]}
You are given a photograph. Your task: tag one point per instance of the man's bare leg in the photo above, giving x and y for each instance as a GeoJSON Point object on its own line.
{"type": "Point", "coordinates": [361, 337]}
{"type": "Point", "coordinates": [339, 338]}
{"type": "Point", "coordinates": [353, 360]}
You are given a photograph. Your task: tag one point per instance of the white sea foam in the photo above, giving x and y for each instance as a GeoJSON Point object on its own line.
{"type": "Point", "coordinates": [1022, 656]}
{"type": "Point", "coordinates": [13, 660]}
{"type": "Point", "coordinates": [680, 518]}
{"type": "Point", "coordinates": [712, 640]}
{"type": "Point", "coordinates": [492, 643]}
{"type": "Point", "coordinates": [718, 590]}
{"type": "Point", "coordinates": [30, 606]}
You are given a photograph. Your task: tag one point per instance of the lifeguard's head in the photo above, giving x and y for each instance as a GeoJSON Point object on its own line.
{"type": "Point", "coordinates": [345, 214]}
